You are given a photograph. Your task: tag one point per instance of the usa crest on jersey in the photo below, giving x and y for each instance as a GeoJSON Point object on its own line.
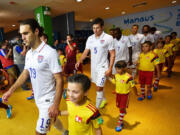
{"type": "Point", "coordinates": [40, 58]}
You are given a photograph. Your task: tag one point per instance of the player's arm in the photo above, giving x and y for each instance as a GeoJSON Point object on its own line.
{"type": "Point", "coordinates": [21, 80]}
{"type": "Point", "coordinates": [84, 55]}
{"type": "Point", "coordinates": [112, 58]}
{"type": "Point", "coordinates": [63, 113]}
{"type": "Point", "coordinates": [70, 46]}
{"type": "Point", "coordinates": [98, 131]}
{"type": "Point", "coordinates": [54, 109]}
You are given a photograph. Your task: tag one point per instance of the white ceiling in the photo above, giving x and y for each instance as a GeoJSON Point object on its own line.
{"type": "Point", "coordinates": [88, 9]}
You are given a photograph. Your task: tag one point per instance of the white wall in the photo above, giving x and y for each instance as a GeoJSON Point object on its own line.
{"type": "Point", "coordinates": [164, 19]}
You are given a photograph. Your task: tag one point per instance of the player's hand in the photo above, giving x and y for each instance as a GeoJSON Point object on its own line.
{"type": "Point", "coordinates": [77, 65]}
{"type": "Point", "coordinates": [53, 111]}
{"type": "Point", "coordinates": [108, 72]}
{"type": "Point", "coordinates": [6, 96]}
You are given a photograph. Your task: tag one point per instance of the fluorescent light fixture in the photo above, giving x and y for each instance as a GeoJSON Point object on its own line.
{"type": "Point", "coordinates": [90, 20]}
{"type": "Point", "coordinates": [79, 0]}
{"type": "Point", "coordinates": [173, 2]}
{"type": "Point", "coordinates": [107, 8]}
{"type": "Point", "coordinates": [123, 12]}
{"type": "Point", "coordinates": [13, 25]}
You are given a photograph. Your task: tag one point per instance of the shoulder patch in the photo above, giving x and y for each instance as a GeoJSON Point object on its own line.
{"type": "Point", "coordinates": [91, 107]}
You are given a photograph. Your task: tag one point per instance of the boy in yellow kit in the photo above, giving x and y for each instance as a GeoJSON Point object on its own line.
{"type": "Point", "coordinates": [147, 63]}
{"type": "Point", "coordinates": [124, 83]}
{"type": "Point", "coordinates": [83, 117]}
{"type": "Point", "coordinates": [169, 60]}
{"type": "Point", "coordinates": [162, 54]}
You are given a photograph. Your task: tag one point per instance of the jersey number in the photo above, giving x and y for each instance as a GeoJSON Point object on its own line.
{"type": "Point", "coordinates": [32, 72]}
{"type": "Point", "coordinates": [95, 50]}
{"type": "Point", "coordinates": [46, 124]}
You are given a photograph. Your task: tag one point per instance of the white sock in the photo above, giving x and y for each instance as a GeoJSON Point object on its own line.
{"type": "Point", "coordinates": [99, 98]}
{"type": "Point", "coordinates": [59, 126]}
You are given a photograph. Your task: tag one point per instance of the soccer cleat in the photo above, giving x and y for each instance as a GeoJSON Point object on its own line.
{"type": "Point", "coordinates": [149, 95]}
{"type": "Point", "coordinates": [65, 94]}
{"type": "Point", "coordinates": [155, 88]}
{"type": "Point", "coordinates": [119, 128]}
{"type": "Point", "coordinates": [142, 97]}
{"type": "Point", "coordinates": [31, 97]}
{"type": "Point", "coordinates": [9, 111]}
{"type": "Point", "coordinates": [103, 103]}
{"type": "Point", "coordinates": [66, 132]}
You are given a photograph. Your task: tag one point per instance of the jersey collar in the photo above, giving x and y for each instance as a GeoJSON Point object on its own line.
{"type": "Point", "coordinates": [40, 47]}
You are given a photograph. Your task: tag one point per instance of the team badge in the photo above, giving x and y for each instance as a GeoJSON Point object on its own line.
{"type": "Point", "coordinates": [102, 41]}
{"type": "Point", "coordinates": [40, 58]}
{"type": "Point", "coordinates": [78, 119]}
{"type": "Point", "coordinates": [123, 41]}
{"type": "Point", "coordinates": [122, 81]}
{"type": "Point", "coordinates": [147, 57]}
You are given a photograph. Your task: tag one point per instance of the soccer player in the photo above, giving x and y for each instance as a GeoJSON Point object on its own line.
{"type": "Point", "coordinates": [70, 50]}
{"type": "Point", "coordinates": [123, 48]}
{"type": "Point", "coordinates": [124, 83]}
{"type": "Point", "coordinates": [147, 63]}
{"type": "Point", "coordinates": [136, 39]}
{"type": "Point", "coordinates": [176, 42]}
{"type": "Point", "coordinates": [43, 66]}
{"type": "Point", "coordinates": [99, 44]}
{"type": "Point", "coordinates": [83, 117]}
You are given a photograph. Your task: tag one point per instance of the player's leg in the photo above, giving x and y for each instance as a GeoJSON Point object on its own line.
{"type": "Point", "coordinates": [149, 79]}
{"type": "Point", "coordinates": [59, 126]}
{"type": "Point", "coordinates": [142, 85]}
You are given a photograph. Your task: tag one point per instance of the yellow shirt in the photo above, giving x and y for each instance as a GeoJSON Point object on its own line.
{"type": "Point", "coordinates": [148, 61]}
{"type": "Point", "coordinates": [78, 56]}
{"type": "Point", "coordinates": [169, 47]}
{"type": "Point", "coordinates": [176, 43]}
{"type": "Point", "coordinates": [162, 53]}
{"type": "Point", "coordinates": [82, 120]}
{"type": "Point", "coordinates": [124, 83]}
{"type": "Point", "coordinates": [62, 59]}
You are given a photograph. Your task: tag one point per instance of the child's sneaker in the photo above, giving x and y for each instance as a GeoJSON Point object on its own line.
{"type": "Point", "coordinates": [119, 128]}
{"type": "Point", "coordinates": [142, 97]}
{"type": "Point", "coordinates": [103, 103]}
{"type": "Point", "coordinates": [30, 97]}
{"type": "Point", "coordinates": [9, 111]}
{"type": "Point", "coordinates": [155, 88]}
{"type": "Point", "coordinates": [65, 94]}
{"type": "Point", "coordinates": [66, 132]}
{"type": "Point", "coordinates": [149, 95]}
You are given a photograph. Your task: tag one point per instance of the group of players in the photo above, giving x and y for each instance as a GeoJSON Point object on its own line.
{"type": "Point", "coordinates": [145, 52]}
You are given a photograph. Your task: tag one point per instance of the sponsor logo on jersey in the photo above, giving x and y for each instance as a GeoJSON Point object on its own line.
{"type": "Point", "coordinates": [78, 119]}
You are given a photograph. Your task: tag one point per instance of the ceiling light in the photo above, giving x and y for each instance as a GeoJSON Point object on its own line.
{"type": "Point", "coordinates": [173, 2]}
{"type": "Point", "coordinates": [79, 0]}
{"type": "Point", "coordinates": [91, 20]}
{"type": "Point", "coordinates": [13, 25]}
{"type": "Point", "coordinates": [123, 12]}
{"type": "Point", "coordinates": [107, 8]}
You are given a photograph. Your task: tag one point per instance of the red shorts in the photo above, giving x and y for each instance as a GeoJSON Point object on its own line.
{"type": "Point", "coordinates": [122, 100]}
{"type": "Point", "coordinates": [145, 77]}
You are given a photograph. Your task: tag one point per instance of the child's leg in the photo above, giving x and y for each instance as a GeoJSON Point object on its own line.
{"type": "Point", "coordinates": [142, 85]}
{"type": "Point", "coordinates": [149, 92]}
{"type": "Point", "coordinates": [120, 121]}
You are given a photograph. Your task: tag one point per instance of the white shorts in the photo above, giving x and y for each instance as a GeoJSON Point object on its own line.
{"type": "Point", "coordinates": [44, 121]}
{"type": "Point", "coordinates": [98, 76]}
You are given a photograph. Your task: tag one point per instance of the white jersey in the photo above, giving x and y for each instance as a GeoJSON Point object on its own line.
{"type": "Point", "coordinates": [136, 41]}
{"type": "Point", "coordinates": [42, 63]}
{"type": "Point", "coordinates": [149, 37]}
{"type": "Point", "coordinates": [121, 48]}
{"type": "Point", "coordinates": [157, 35]}
{"type": "Point", "coordinates": [99, 48]}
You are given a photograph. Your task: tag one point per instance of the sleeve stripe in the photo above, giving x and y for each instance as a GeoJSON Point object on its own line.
{"type": "Point", "coordinates": [92, 106]}
{"type": "Point", "coordinates": [156, 57]}
{"type": "Point", "coordinates": [90, 109]}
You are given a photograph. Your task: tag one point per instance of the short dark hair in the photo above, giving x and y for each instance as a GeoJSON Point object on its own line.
{"type": "Point", "coordinates": [153, 29]}
{"type": "Point", "coordinates": [147, 42]}
{"type": "Point", "coordinates": [70, 35]}
{"type": "Point", "coordinates": [98, 21]}
{"type": "Point", "coordinates": [135, 25]}
{"type": "Point", "coordinates": [174, 33]}
{"type": "Point", "coordinates": [168, 36]}
{"type": "Point", "coordinates": [45, 36]}
{"type": "Point", "coordinates": [161, 41]}
{"type": "Point", "coordinates": [121, 64]}
{"type": "Point", "coordinates": [82, 79]}
{"type": "Point", "coordinates": [118, 30]}
{"type": "Point", "coordinates": [147, 27]}
{"type": "Point", "coordinates": [33, 25]}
